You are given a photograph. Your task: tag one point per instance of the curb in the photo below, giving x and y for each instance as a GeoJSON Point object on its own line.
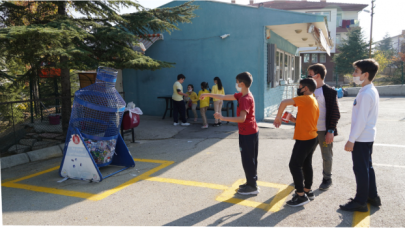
{"type": "Point", "coordinates": [36, 155]}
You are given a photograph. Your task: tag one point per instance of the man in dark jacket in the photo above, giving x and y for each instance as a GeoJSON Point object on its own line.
{"type": "Point", "coordinates": [329, 116]}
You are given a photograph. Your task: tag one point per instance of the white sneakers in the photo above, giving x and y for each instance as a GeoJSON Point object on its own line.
{"type": "Point", "coordinates": [182, 124]}
{"type": "Point", "coordinates": [204, 126]}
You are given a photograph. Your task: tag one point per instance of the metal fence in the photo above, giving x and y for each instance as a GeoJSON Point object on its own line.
{"type": "Point", "coordinates": [27, 125]}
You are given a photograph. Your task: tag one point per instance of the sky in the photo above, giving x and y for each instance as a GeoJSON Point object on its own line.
{"type": "Point", "coordinates": [388, 15]}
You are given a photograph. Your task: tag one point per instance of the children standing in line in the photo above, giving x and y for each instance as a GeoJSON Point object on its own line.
{"type": "Point", "coordinates": [362, 136]}
{"type": "Point", "coordinates": [306, 140]}
{"type": "Point", "coordinates": [204, 103]}
{"type": "Point", "coordinates": [191, 101]}
{"type": "Point", "coordinates": [248, 130]}
{"type": "Point", "coordinates": [218, 89]}
{"type": "Point", "coordinates": [329, 116]}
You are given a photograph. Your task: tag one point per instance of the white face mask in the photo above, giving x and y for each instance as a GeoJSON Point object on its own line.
{"type": "Point", "coordinates": [238, 88]}
{"type": "Point", "coordinates": [357, 80]}
{"type": "Point", "coordinates": [190, 90]}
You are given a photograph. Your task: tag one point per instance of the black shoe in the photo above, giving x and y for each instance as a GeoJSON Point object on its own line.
{"type": "Point", "coordinates": [248, 190]}
{"type": "Point", "coordinates": [354, 206]}
{"type": "Point", "coordinates": [215, 125]}
{"type": "Point", "coordinates": [219, 124]}
{"type": "Point", "coordinates": [298, 200]}
{"type": "Point", "coordinates": [245, 184]}
{"type": "Point", "coordinates": [325, 184]}
{"type": "Point", "coordinates": [376, 202]}
{"type": "Point", "coordinates": [310, 195]}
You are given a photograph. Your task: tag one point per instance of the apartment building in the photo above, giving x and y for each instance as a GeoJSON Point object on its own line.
{"type": "Point", "coordinates": [340, 17]}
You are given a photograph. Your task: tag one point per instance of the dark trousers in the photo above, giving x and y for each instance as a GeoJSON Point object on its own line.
{"type": "Point", "coordinates": [301, 163]}
{"type": "Point", "coordinates": [249, 148]}
{"type": "Point", "coordinates": [364, 171]}
{"type": "Point", "coordinates": [179, 107]}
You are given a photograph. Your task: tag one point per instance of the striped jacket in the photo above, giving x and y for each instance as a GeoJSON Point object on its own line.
{"type": "Point", "coordinates": [332, 108]}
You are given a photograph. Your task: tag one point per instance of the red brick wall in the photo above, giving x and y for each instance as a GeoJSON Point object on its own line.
{"type": "Point", "coordinates": [329, 64]}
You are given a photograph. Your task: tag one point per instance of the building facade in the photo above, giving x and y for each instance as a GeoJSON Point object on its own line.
{"type": "Point", "coordinates": [341, 17]}
{"type": "Point", "coordinates": [260, 40]}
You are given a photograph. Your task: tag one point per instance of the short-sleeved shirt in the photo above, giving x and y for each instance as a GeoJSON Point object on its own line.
{"type": "Point", "coordinates": [307, 117]}
{"type": "Point", "coordinates": [206, 101]}
{"type": "Point", "coordinates": [177, 97]}
{"type": "Point", "coordinates": [215, 90]}
{"type": "Point", "coordinates": [246, 103]}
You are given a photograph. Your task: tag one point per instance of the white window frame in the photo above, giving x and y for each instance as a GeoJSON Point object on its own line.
{"type": "Point", "coordinates": [321, 13]}
{"type": "Point", "coordinates": [307, 60]}
{"type": "Point", "coordinates": [312, 58]}
{"type": "Point", "coordinates": [320, 58]}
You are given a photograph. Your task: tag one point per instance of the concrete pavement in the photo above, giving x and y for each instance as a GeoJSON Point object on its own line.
{"type": "Point", "coordinates": [186, 176]}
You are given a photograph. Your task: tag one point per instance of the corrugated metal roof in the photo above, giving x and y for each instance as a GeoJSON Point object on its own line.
{"type": "Point", "coordinates": [298, 5]}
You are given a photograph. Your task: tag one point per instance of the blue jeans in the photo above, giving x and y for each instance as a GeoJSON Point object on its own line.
{"type": "Point", "coordinates": [364, 171]}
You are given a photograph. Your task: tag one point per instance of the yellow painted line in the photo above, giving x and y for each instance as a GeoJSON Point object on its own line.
{"type": "Point", "coordinates": [35, 174]}
{"type": "Point", "coordinates": [143, 176]}
{"type": "Point", "coordinates": [280, 198]}
{"type": "Point", "coordinates": [361, 219]}
{"type": "Point", "coordinates": [49, 190]}
{"type": "Point", "coordinates": [188, 183]}
{"type": "Point", "coordinates": [274, 206]}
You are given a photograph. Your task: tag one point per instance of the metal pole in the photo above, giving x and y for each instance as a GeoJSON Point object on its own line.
{"type": "Point", "coordinates": [371, 29]}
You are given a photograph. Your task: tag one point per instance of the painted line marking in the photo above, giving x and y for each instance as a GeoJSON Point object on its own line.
{"type": "Point", "coordinates": [274, 206]}
{"type": "Point", "coordinates": [85, 195]}
{"type": "Point", "coordinates": [188, 183]}
{"type": "Point", "coordinates": [396, 166]}
{"type": "Point", "coordinates": [389, 145]}
{"type": "Point", "coordinates": [361, 219]}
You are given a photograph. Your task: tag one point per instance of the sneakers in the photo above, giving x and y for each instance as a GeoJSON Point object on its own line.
{"type": "Point", "coordinates": [204, 126]}
{"type": "Point", "coordinates": [248, 190]}
{"type": "Point", "coordinates": [215, 125]}
{"type": "Point", "coordinates": [354, 206]}
{"type": "Point", "coordinates": [175, 124]}
{"type": "Point", "coordinates": [310, 195]}
{"type": "Point", "coordinates": [185, 124]}
{"type": "Point", "coordinates": [298, 200]}
{"type": "Point", "coordinates": [376, 202]}
{"type": "Point", "coordinates": [325, 184]}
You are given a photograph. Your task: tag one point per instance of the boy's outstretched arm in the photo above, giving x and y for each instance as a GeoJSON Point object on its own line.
{"type": "Point", "coordinates": [281, 108]}
{"type": "Point", "coordinates": [218, 96]}
{"type": "Point", "coordinates": [240, 119]}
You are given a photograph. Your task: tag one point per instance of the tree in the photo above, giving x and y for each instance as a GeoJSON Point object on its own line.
{"type": "Point", "coordinates": [385, 46]}
{"type": "Point", "coordinates": [35, 31]}
{"type": "Point", "coordinates": [382, 59]}
{"type": "Point", "coordinates": [351, 49]}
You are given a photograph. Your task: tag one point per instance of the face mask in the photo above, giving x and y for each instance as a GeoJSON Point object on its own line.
{"type": "Point", "coordinates": [357, 80]}
{"type": "Point", "coordinates": [299, 93]}
{"type": "Point", "coordinates": [190, 90]}
{"type": "Point", "coordinates": [238, 88]}
{"type": "Point", "coordinates": [309, 76]}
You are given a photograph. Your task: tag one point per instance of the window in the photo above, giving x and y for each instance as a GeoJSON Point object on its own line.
{"type": "Point", "coordinates": [286, 63]}
{"type": "Point", "coordinates": [281, 65]}
{"type": "Point", "coordinates": [323, 13]}
{"type": "Point", "coordinates": [338, 39]}
{"type": "Point", "coordinates": [278, 64]}
{"type": "Point", "coordinates": [306, 58]}
{"type": "Point", "coordinates": [339, 20]}
{"type": "Point", "coordinates": [292, 67]}
{"type": "Point", "coordinates": [314, 58]}
{"type": "Point", "coordinates": [322, 58]}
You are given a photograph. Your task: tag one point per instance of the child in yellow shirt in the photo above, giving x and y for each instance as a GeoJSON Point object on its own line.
{"type": "Point", "coordinates": [191, 101]}
{"type": "Point", "coordinates": [204, 103]}
{"type": "Point", "coordinates": [217, 89]}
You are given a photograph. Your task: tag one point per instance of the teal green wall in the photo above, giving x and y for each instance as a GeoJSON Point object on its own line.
{"type": "Point", "coordinates": [200, 54]}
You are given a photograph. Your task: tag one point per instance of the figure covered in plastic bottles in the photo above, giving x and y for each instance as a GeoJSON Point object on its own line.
{"type": "Point", "coordinates": [97, 112]}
